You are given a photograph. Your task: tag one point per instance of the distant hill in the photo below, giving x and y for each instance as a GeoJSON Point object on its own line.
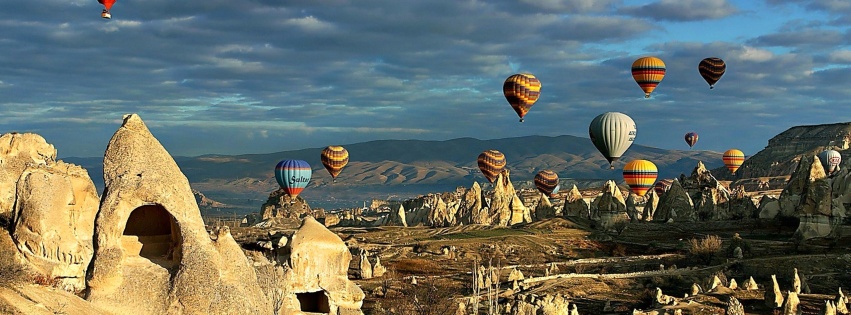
{"type": "Point", "coordinates": [382, 169]}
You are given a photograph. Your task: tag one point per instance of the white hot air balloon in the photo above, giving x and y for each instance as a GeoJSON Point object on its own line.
{"type": "Point", "coordinates": [612, 133]}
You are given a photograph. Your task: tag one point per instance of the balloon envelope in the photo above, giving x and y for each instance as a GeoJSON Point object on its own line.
{"type": "Point", "coordinates": [711, 69]}
{"type": "Point", "coordinates": [334, 158]}
{"type": "Point", "coordinates": [830, 160]}
{"type": "Point", "coordinates": [491, 163]}
{"type": "Point", "coordinates": [648, 72]}
{"type": "Point", "coordinates": [662, 186]}
{"type": "Point", "coordinates": [546, 181]}
{"type": "Point", "coordinates": [107, 4]}
{"type": "Point", "coordinates": [733, 159]}
{"type": "Point", "coordinates": [640, 175]}
{"type": "Point", "coordinates": [293, 176]}
{"type": "Point", "coordinates": [612, 133]}
{"type": "Point", "coordinates": [522, 91]}
{"type": "Point", "coordinates": [691, 139]}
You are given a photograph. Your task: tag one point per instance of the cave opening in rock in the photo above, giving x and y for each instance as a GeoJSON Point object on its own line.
{"type": "Point", "coordinates": [314, 302]}
{"type": "Point", "coordinates": [152, 232]}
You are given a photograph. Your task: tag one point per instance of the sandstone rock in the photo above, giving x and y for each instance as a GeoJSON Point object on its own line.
{"type": "Point", "coordinates": [773, 296]}
{"type": "Point", "coordinates": [829, 308]}
{"type": "Point", "coordinates": [55, 210]}
{"type": "Point", "coordinates": [317, 275]}
{"type": "Point", "coordinates": [790, 307]}
{"type": "Point", "coordinates": [695, 289]}
{"type": "Point", "coordinates": [17, 150]}
{"type": "Point", "coordinates": [661, 299]}
{"type": "Point", "coordinates": [544, 210]}
{"type": "Point", "coordinates": [281, 205]}
{"type": "Point", "coordinates": [733, 284]}
{"type": "Point", "coordinates": [544, 305]}
{"type": "Point", "coordinates": [715, 283]}
{"type": "Point", "coordinates": [650, 205]}
{"type": "Point", "coordinates": [377, 269]}
{"type": "Point", "coordinates": [750, 285]}
{"type": "Point", "coordinates": [740, 206]}
{"type": "Point", "coordinates": [575, 205]}
{"type": "Point", "coordinates": [841, 303]}
{"type": "Point", "coordinates": [506, 208]}
{"type": "Point", "coordinates": [737, 253]}
{"type": "Point", "coordinates": [734, 307]}
{"type": "Point", "coordinates": [796, 282]}
{"type": "Point", "coordinates": [631, 209]}
{"type": "Point", "coordinates": [151, 243]}
{"type": "Point", "coordinates": [609, 207]}
{"type": "Point", "coordinates": [769, 207]}
{"type": "Point", "coordinates": [706, 193]}
{"type": "Point", "coordinates": [675, 205]}
{"type": "Point", "coordinates": [471, 209]}
{"type": "Point", "coordinates": [396, 218]}
{"type": "Point", "coordinates": [365, 266]}
{"type": "Point", "coordinates": [515, 275]}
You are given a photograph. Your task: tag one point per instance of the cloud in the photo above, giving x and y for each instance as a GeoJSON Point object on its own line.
{"type": "Point", "coordinates": [683, 10]}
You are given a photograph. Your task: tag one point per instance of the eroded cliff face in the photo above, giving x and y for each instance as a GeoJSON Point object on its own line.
{"type": "Point", "coordinates": [783, 152]}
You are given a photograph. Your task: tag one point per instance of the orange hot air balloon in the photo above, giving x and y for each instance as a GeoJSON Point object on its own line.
{"type": "Point", "coordinates": [107, 5]}
{"type": "Point", "coordinates": [648, 73]}
{"type": "Point", "coordinates": [334, 158]}
{"type": "Point", "coordinates": [640, 175]}
{"type": "Point", "coordinates": [491, 163]}
{"type": "Point", "coordinates": [733, 158]}
{"type": "Point", "coordinates": [546, 181]}
{"type": "Point", "coordinates": [522, 91]}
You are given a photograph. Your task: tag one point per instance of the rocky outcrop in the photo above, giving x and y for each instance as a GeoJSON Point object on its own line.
{"type": "Point", "coordinates": [773, 296]}
{"type": "Point", "coordinates": [675, 205]}
{"type": "Point", "coordinates": [609, 207]}
{"type": "Point", "coordinates": [769, 207]}
{"type": "Point", "coordinates": [55, 210]}
{"type": "Point", "coordinates": [650, 205]}
{"type": "Point", "coordinates": [281, 206]}
{"type": "Point", "coordinates": [707, 194]}
{"type": "Point", "coordinates": [316, 280]}
{"type": "Point", "coordinates": [632, 208]}
{"type": "Point", "coordinates": [734, 307]}
{"type": "Point", "coordinates": [544, 209]}
{"type": "Point", "coordinates": [396, 217]}
{"type": "Point", "coordinates": [505, 206]}
{"type": "Point", "coordinates": [542, 305]}
{"type": "Point", "coordinates": [575, 205]}
{"type": "Point", "coordinates": [17, 150]}
{"type": "Point", "coordinates": [809, 197]}
{"type": "Point", "coordinates": [740, 206]}
{"type": "Point", "coordinates": [151, 243]}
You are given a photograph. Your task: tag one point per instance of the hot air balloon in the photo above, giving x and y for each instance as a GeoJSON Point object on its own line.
{"type": "Point", "coordinates": [107, 5]}
{"type": "Point", "coordinates": [293, 176]}
{"type": "Point", "coordinates": [522, 91]}
{"type": "Point", "coordinates": [662, 186]}
{"type": "Point", "coordinates": [691, 139]}
{"type": "Point", "coordinates": [711, 69]}
{"type": "Point", "coordinates": [830, 160]}
{"type": "Point", "coordinates": [491, 162]}
{"type": "Point", "coordinates": [546, 181]}
{"type": "Point", "coordinates": [648, 72]}
{"type": "Point", "coordinates": [733, 159]}
{"type": "Point", "coordinates": [334, 158]}
{"type": "Point", "coordinates": [612, 133]}
{"type": "Point", "coordinates": [640, 175]}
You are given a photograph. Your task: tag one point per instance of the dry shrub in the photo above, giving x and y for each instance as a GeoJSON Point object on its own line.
{"type": "Point", "coordinates": [415, 266]}
{"type": "Point", "coordinates": [426, 298]}
{"type": "Point", "coordinates": [706, 248]}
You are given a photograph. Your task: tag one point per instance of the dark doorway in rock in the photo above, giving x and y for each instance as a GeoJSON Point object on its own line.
{"type": "Point", "coordinates": [152, 232]}
{"type": "Point", "coordinates": [314, 302]}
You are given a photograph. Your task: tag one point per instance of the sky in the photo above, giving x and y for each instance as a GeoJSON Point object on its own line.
{"type": "Point", "coordinates": [260, 76]}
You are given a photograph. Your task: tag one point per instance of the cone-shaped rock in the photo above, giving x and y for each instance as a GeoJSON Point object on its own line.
{"type": "Point", "coordinates": [16, 151]}
{"type": "Point", "coordinates": [650, 205]}
{"type": "Point", "coordinates": [575, 205]}
{"type": "Point", "coordinates": [675, 205]}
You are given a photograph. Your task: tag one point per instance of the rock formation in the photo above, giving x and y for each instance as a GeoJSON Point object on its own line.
{"type": "Point", "coordinates": [17, 150]}
{"type": "Point", "coordinates": [796, 282]}
{"type": "Point", "coordinates": [790, 306]}
{"type": "Point", "coordinates": [151, 243]}
{"type": "Point", "coordinates": [632, 209]}
{"type": "Point", "coordinates": [515, 274]}
{"type": "Point", "coordinates": [829, 308]}
{"type": "Point", "coordinates": [396, 218]}
{"type": "Point", "coordinates": [769, 207]}
{"type": "Point", "coordinates": [575, 205]}
{"type": "Point", "coordinates": [675, 205]}
{"type": "Point", "coordinates": [281, 206]}
{"type": "Point", "coordinates": [706, 193]}
{"type": "Point", "coordinates": [734, 307]}
{"type": "Point", "coordinates": [773, 296]}
{"type": "Point", "coordinates": [55, 210]}
{"type": "Point", "coordinates": [365, 267]}
{"type": "Point", "coordinates": [740, 206]}
{"type": "Point", "coordinates": [544, 209]}
{"type": "Point", "coordinates": [809, 197]}
{"type": "Point", "coordinates": [733, 285]}
{"type": "Point", "coordinates": [750, 285]}
{"type": "Point", "coordinates": [609, 207]}
{"type": "Point", "coordinates": [650, 205]}
{"type": "Point", "coordinates": [316, 280]}
{"type": "Point", "coordinates": [841, 303]}
{"type": "Point", "coordinates": [377, 269]}
{"type": "Point", "coordinates": [542, 305]}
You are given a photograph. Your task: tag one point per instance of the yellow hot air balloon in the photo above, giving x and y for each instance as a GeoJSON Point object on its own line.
{"type": "Point", "coordinates": [640, 175]}
{"type": "Point", "coordinates": [334, 158]}
{"type": "Point", "coordinates": [733, 159]}
{"type": "Point", "coordinates": [521, 91]}
{"type": "Point", "coordinates": [648, 72]}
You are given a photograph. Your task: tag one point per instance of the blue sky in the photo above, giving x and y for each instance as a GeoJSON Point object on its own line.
{"type": "Point", "coordinates": [257, 76]}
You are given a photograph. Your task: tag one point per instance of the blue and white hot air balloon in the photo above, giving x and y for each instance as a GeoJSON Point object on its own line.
{"type": "Point", "coordinates": [293, 176]}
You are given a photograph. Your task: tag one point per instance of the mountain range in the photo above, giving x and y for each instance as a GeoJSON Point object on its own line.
{"type": "Point", "coordinates": [386, 169]}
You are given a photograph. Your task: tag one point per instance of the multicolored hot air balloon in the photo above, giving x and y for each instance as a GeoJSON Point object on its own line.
{"type": "Point", "coordinates": [733, 159]}
{"type": "Point", "coordinates": [293, 176]}
{"type": "Point", "coordinates": [334, 158]}
{"type": "Point", "coordinates": [640, 175]}
{"type": "Point", "coordinates": [662, 186]}
{"type": "Point", "coordinates": [522, 91]}
{"type": "Point", "coordinates": [691, 139]}
{"type": "Point", "coordinates": [830, 160]}
{"type": "Point", "coordinates": [612, 133]}
{"type": "Point", "coordinates": [711, 69]}
{"type": "Point", "coordinates": [546, 181]}
{"type": "Point", "coordinates": [648, 72]}
{"type": "Point", "coordinates": [491, 163]}
{"type": "Point", "coordinates": [107, 5]}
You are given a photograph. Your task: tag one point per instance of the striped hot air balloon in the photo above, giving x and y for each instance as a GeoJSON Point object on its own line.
{"type": "Point", "coordinates": [648, 72]}
{"type": "Point", "coordinates": [640, 175]}
{"type": "Point", "coordinates": [662, 186]}
{"type": "Point", "coordinates": [522, 91]}
{"type": "Point", "coordinates": [733, 158]}
{"type": "Point", "coordinates": [546, 181]}
{"type": "Point", "coordinates": [491, 163]}
{"type": "Point", "coordinates": [691, 139]}
{"type": "Point", "coordinates": [830, 160]}
{"type": "Point", "coordinates": [334, 158]}
{"type": "Point", "coordinates": [612, 133]}
{"type": "Point", "coordinates": [711, 69]}
{"type": "Point", "coordinates": [293, 176]}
